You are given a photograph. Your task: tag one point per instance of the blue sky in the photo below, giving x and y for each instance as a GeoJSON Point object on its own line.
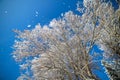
{"type": "Point", "coordinates": [18, 14]}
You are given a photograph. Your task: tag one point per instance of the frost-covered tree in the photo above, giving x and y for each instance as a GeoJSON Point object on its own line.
{"type": "Point", "coordinates": [62, 49]}
{"type": "Point", "coordinates": [59, 50]}
{"type": "Point", "coordinates": [110, 39]}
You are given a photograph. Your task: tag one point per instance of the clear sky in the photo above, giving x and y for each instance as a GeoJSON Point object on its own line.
{"type": "Point", "coordinates": [25, 14]}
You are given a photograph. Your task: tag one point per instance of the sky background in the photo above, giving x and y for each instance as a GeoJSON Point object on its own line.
{"type": "Point", "coordinates": [18, 14]}
{"type": "Point", "coordinates": [25, 14]}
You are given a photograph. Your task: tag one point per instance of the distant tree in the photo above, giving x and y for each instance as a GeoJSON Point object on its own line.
{"type": "Point", "coordinates": [61, 50]}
